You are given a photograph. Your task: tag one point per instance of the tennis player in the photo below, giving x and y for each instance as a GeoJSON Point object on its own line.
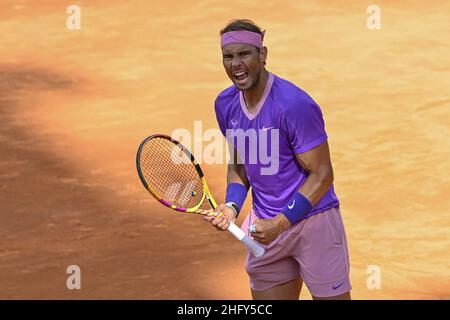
{"type": "Point", "coordinates": [295, 213]}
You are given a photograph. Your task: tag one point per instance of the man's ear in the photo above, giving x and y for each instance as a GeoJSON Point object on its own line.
{"type": "Point", "coordinates": [263, 54]}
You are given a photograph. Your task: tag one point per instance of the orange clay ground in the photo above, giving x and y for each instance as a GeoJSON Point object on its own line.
{"type": "Point", "coordinates": [74, 106]}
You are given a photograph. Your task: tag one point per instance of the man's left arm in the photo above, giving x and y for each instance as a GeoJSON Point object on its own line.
{"type": "Point", "coordinates": [320, 178]}
{"type": "Point", "coordinates": [317, 163]}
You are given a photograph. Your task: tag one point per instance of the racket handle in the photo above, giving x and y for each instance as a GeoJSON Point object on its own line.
{"type": "Point", "coordinates": [251, 244]}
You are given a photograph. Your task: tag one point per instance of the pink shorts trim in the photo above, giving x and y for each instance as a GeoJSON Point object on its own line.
{"type": "Point", "coordinates": [315, 250]}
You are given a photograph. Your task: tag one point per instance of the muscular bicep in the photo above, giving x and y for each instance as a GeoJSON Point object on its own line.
{"type": "Point", "coordinates": [316, 160]}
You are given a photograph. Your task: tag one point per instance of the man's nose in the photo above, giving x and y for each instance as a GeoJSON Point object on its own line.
{"type": "Point", "coordinates": [236, 62]}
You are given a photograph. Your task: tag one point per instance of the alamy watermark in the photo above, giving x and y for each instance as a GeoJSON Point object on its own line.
{"type": "Point", "coordinates": [374, 20]}
{"type": "Point", "coordinates": [374, 278]}
{"type": "Point", "coordinates": [251, 146]}
{"type": "Point", "coordinates": [73, 21]}
{"type": "Point", "coordinates": [74, 279]}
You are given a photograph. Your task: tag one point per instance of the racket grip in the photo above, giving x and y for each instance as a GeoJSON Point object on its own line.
{"type": "Point", "coordinates": [251, 244]}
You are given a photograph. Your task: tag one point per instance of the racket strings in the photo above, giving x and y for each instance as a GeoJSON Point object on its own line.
{"type": "Point", "coordinates": [170, 174]}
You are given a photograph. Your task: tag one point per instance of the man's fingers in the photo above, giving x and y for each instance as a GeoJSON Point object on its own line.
{"type": "Point", "coordinates": [223, 224]}
{"type": "Point", "coordinates": [213, 213]}
{"type": "Point", "coordinates": [217, 220]}
{"type": "Point", "coordinates": [211, 216]}
{"type": "Point", "coordinates": [254, 228]}
{"type": "Point", "coordinates": [257, 233]}
{"type": "Point", "coordinates": [260, 238]}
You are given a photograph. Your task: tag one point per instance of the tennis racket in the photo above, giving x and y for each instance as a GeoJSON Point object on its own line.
{"type": "Point", "coordinates": [170, 173]}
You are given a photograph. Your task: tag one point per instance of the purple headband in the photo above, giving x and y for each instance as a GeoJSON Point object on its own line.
{"type": "Point", "coordinates": [243, 36]}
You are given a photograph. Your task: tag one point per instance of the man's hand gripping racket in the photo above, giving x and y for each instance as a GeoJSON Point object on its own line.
{"type": "Point", "coordinates": [170, 173]}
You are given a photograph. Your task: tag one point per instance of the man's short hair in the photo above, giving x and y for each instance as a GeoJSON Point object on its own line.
{"type": "Point", "coordinates": [241, 24]}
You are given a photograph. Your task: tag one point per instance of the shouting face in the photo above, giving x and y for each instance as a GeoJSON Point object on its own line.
{"type": "Point", "coordinates": [244, 64]}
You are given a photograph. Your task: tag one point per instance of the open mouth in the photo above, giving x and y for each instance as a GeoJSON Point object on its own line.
{"type": "Point", "coordinates": [240, 77]}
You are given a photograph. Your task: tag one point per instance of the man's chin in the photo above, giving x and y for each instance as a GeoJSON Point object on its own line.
{"type": "Point", "coordinates": [243, 87]}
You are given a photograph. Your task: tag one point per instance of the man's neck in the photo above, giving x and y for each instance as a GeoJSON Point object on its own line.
{"type": "Point", "coordinates": [253, 96]}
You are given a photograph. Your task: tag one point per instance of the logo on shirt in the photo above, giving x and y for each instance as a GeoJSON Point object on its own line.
{"type": "Point", "coordinates": [234, 123]}
{"type": "Point", "coordinates": [339, 285]}
{"type": "Point", "coordinates": [265, 129]}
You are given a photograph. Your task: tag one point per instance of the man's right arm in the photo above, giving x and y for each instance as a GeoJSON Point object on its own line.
{"type": "Point", "coordinates": [236, 171]}
{"type": "Point", "coordinates": [235, 174]}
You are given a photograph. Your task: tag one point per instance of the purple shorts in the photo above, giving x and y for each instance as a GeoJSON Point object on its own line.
{"type": "Point", "coordinates": [315, 250]}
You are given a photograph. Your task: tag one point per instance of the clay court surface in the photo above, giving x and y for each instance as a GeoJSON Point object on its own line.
{"type": "Point", "coordinates": [74, 105]}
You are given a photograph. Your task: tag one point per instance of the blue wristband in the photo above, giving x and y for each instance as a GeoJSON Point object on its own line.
{"type": "Point", "coordinates": [297, 208]}
{"type": "Point", "coordinates": [236, 193]}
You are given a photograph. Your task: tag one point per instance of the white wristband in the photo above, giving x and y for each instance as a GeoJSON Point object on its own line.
{"type": "Point", "coordinates": [232, 205]}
